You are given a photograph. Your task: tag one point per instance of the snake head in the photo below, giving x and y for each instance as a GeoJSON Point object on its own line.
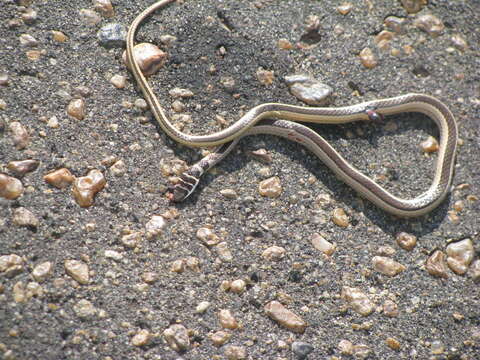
{"type": "Point", "coordinates": [374, 116]}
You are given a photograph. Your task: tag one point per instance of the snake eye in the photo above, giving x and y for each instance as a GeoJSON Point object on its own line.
{"type": "Point", "coordinates": [374, 116]}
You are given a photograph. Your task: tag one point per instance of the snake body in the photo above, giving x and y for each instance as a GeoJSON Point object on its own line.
{"type": "Point", "coordinates": [281, 120]}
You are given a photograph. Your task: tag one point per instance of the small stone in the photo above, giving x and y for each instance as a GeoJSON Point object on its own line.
{"type": "Point", "coordinates": [274, 253]}
{"type": "Point", "coordinates": [235, 352]}
{"type": "Point", "coordinates": [59, 36]}
{"type": "Point", "coordinates": [340, 218]}
{"type": "Point", "coordinates": [149, 58]}
{"type": "Point", "coordinates": [390, 309]}
{"type": "Point", "coordinates": [178, 106]}
{"type": "Point", "coordinates": [270, 187]}
{"type": "Point", "coordinates": [178, 266]}
{"type": "Point", "coordinates": [131, 240]}
{"type": "Point", "coordinates": [60, 178]}
{"type": "Point", "coordinates": [167, 39]}
{"type": "Point", "coordinates": [34, 55]}
{"type": "Point", "coordinates": [413, 6]}
{"type": "Point", "coordinates": [112, 35]}
{"type": "Point", "coordinates": [368, 59]}
{"type": "Point", "coordinates": [207, 236]}
{"type": "Point", "coordinates": [393, 343]}
{"type": "Point", "coordinates": [458, 206]}
{"type": "Point", "coordinates": [76, 109]}
{"type": "Point", "coordinates": [28, 40]}
{"type": "Point", "coordinates": [141, 338]}
{"type": "Point", "coordinates": [357, 300]}
{"type": "Point", "coordinates": [344, 8]}
{"type": "Point", "coordinates": [29, 16]}
{"type": "Point", "coordinates": [265, 77]}
{"type": "Point", "coordinates": [4, 80]}
{"type": "Point", "coordinates": [322, 245]}
{"type": "Point", "coordinates": [308, 89]}
{"type": "Point", "coordinates": [286, 318]}
{"type": "Point", "coordinates": [227, 320]}
{"type": "Point", "coordinates": [224, 252]}
{"type": "Point", "coordinates": [229, 194]}
{"type": "Point", "coordinates": [119, 81]}
{"type": "Point", "coordinates": [24, 217]}
{"type": "Point", "coordinates": [387, 266]}
{"type": "Point", "coordinates": [382, 39]}
{"type": "Point", "coordinates": [395, 24]}
{"type": "Point", "coordinates": [78, 270]}
{"type": "Point", "coordinates": [20, 168]}
{"type": "Point", "coordinates": [460, 255]}
{"type": "Point", "coordinates": [104, 7]}
{"type": "Point", "coordinates": [406, 241]}
{"type": "Point", "coordinates": [155, 226]}
{"type": "Point", "coordinates": [436, 266]}
{"type": "Point", "coordinates": [11, 265]}
{"type": "Point", "coordinates": [430, 24]}
{"type": "Point", "coordinates": [180, 93]}
{"type": "Point", "coordinates": [386, 250]}
{"type": "Point", "coordinates": [118, 168]}
{"type": "Point", "coordinates": [284, 44]}
{"type": "Point", "coordinates": [193, 263]}
{"type": "Point", "coordinates": [437, 347]}
{"type": "Point", "coordinates": [345, 347]}
{"type": "Point", "coordinates": [459, 42]}
{"type": "Point", "coordinates": [84, 309]}
{"type": "Point", "coordinates": [42, 271]}
{"type": "Point", "coordinates": [238, 286]}
{"type": "Point", "coordinates": [53, 122]}
{"type": "Point", "coordinates": [112, 254]}
{"type": "Point", "coordinates": [361, 351]}
{"type": "Point", "coordinates": [10, 187]}
{"type": "Point", "coordinates": [177, 337]}
{"type": "Point", "coordinates": [220, 337]}
{"type": "Point", "coordinates": [202, 307]}
{"type": "Point", "coordinates": [474, 271]}
{"type": "Point", "coordinates": [89, 17]}
{"type": "Point", "coordinates": [19, 293]}
{"type": "Point", "coordinates": [301, 349]}
{"type": "Point", "coordinates": [430, 145]}
{"type": "Point", "coordinates": [141, 104]}
{"type": "Point", "coordinates": [261, 155]}
{"type": "Point", "coordinates": [86, 187]}
{"type": "Point", "coordinates": [20, 136]}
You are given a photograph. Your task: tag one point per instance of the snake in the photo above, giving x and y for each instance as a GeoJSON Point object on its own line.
{"type": "Point", "coordinates": [283, 120]}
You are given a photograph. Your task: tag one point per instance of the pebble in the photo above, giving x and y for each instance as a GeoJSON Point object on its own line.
{"type": "Point", "coordinates": [474, 271]}
{"type": "Point", "coordinates": [229, 194]}
{"type": "Point", "coordinates": [20, 135]}
{"type": "Point", "coordinates": [437, 347]}
{"type": "Point", "coordinates": [207, 236]}
{"type": "Point", "coordinates": [395, 24]}
{"type": "Point", "coordinates": [112, 254]}
{"type": "Point", "coordinates": [238, 286]}
{"type": "Point", "coordinates": [86, 187]}
{"type": "Point", "coordinates": [430, 24]}
{"type": "Point", "coordinates": [42, 271]}
{"type": "Point", "coordinates": [284, 44]}
{"type": "Point", "coordinates": [261, 155]}
{"type": "Point", "coordinates": [178, 266]}
{"type": "Point", "coordinates": [24, 217]}
{"type": "Point", "coordinates": [76, 109]}
{"type": "Point", "coordinates": [21, 167]}
{"type": "Point", "coordinates": [436, 266]}
{"type": "Point", "coordinates": [393, 343]}
{"type": "Point", "coordinates": [345, 347]}
{"type": "Point", "coordinates": [10, 188]}
{"type": "Point", "coordinates": [286, 318]}
{"type": "Point", "coordinates": [430, 145]}
{"type": "Point", "coordinates": [178, 106]}
{"type": "Point", "coordinates": [235, 352]}
{"type": "Point", "coordinates": [61, 178]}
{"type": "Point", "coordinates": [202, 307]}
{"type": "Point", "coordinates": [265, 77]}
{"type": "Point", "coordinates": [413, 6]}
{"type": "Point", "coordinates": [131, 240]}
{"type": "Point", "coordinates": [387, 266]}
{"type": "Point", "coordinates": [141, 338]}
{"type": "Point", "coordinates": [406, 241]}
{"type": "Point", "coordinates": [118, 168]}
{"type": "Point", "coordinates": [3, 104]}
{"type": "Point", "coordinates": [89, 17]}
{"type": "Point", "coordinates": [28, 40]}
{"type": "Point", "coordinates": [220, 337]}
{"type": "Point", "coordinates": [382, 39]}
{"type": "Point", "coordinates": [59, 36]}
{"type": "Point", "coordinates": [274, 253]}
{"type": "Point", "coordinates": [270, 187]}
{"type": "Point", "coordinates": [357, 300]}
{"type": "Point", "coordinates": [78, 270]}
{"type": "Point", "coordinates": [181, 93]}
{"type": "Point", "coordinates": [460, 255]}
{"type": "Point", "coordinates": [301, 349]}
{"type": "Point", "coordinates": [167, 39]}
{"type": "Point", "coordinates": [11, 265]}
{"type": "Point", "coordinates": [155, 226]}
{"type": "Point", "coordinates": [84, 309]}
{"type": "Point", "coordinates": [4, 80]}
{"type": "Point", "coordinates": [308, 89]}
{"type": "Point", "coordinates": [227, 320]}
{"type": "Point", "coordinates": [149, 277]}
{"type": "Point", "coordinates": [104, 7]}
{"type": "Point", "coordinates": [29, 16]}
{"type": "Point", "coordinates": [368, 59]}
{"type": "Point", "coordinates": [344, 8]}
{"type": "Point", "coordinates": [112, 35]}
{"type": "Point", "coordinates": [386, 250]}
{"type": "Point", "coordinates": [224, 252]}
{"type": "Point", "coordinates": [361, 351]}
{"type": "Point", "coordinates": [322, 245]}
{"type": "Point", "coordinates": [148, 57]}
{"type": "Point", "coordinates": [53, 122]}
{"type": "Point", "coordinates": [177, 337]}
{"type": "Point", "coordinates": [340, 218]}
{"type": "Point", "coordinates": [119, 81]}
{"type": "Point", "coordinates": [459, 42]}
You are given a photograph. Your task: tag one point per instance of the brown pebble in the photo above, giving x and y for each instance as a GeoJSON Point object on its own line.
{"type": "Point", "coordinates": [274, 253]}
{"type": "Point", "coordinates": [357, 300]}
{"type": "Point", "coordinates": [104, 7]}
{"type": "Point", "coordinates": [227, 320]}
{"type": "Point", "coordinates": [78, 270]}
{"type": "Point", "coordinates": [390, 309]}
{"type": "Point", "coordinates": [11, 265]}
{"type": "Point", "coordinates": [382, 39]}
{"type": "Point", "coordinates": [345, 8]}
{"type": "Point", "coordinates": [395, 24]}
{"type": "Point", "coordinates": [459, 255]}
{"type": "Point", "coordinates": [345, 347]}
{"type": "Point", "coordinates": [207, 236]}
{"type": "Point", "coordinates": [59, 36]}
{"type": "Point", "coordinates": [430, 24]}
{"type": "Point", "coordinates": [322, 245]}
{"type": "Point", "coordinates": [21, 167]}
{"type": "Point", "coordinates": [76, 109]}
{"type": "Point", "coordinates": [265, 77]}
{"type": "Point", "coordinates": [387, 266]}
{"type": "Point", "coordinates": [177, 337]}
{"type": "Point", "coordinates": [233, 352]}
{"type": "Point", "coordinates": [60, 178]}
{"type": "Point", "coordinates": [436, 266]}
{"type": "Point", "coordinates": [261, 155]}
{"type": "Point", "coordinates": [149, 58]}
{"type": "Point", "coordinates": [141, 338]}
{"type": "Point", "coordinates": [406, 241]}
{"type": "Point", "coordinates": [284, 44]}
{"type": "Point", "coordinates": [368, 59]}
{"type": "Point", "coordinates": [42, 271]}
{"type": "Point", "coordinates": [430, 145]}
{"type": "Point", "coordinates": [220, 337]}
{"type": "Point", "coordinates": [85, 188]}
{"type": "Point", "coordinates": [24, 217]}
{"type": "Point", "coordinates": [270, 187]}
{"type": "Point", "coordinates": [286, 318]}
{"type": "Point", "coordinates": [119, 81]}
{"type": "Point", "coordinates": [413, 6]}
{"type": "Point", "coordinates": [393, 343]}
{"type": "Point", "coordinates": [459, 42]}
{"type": "Point", "coordinates": [340, 218]}
{"type": "Point", "coordinates": [10, 187]}
{"type": "Point", "coordinates": [20, 135]}
{"type": "Point", "coordinates": [474, 271]}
